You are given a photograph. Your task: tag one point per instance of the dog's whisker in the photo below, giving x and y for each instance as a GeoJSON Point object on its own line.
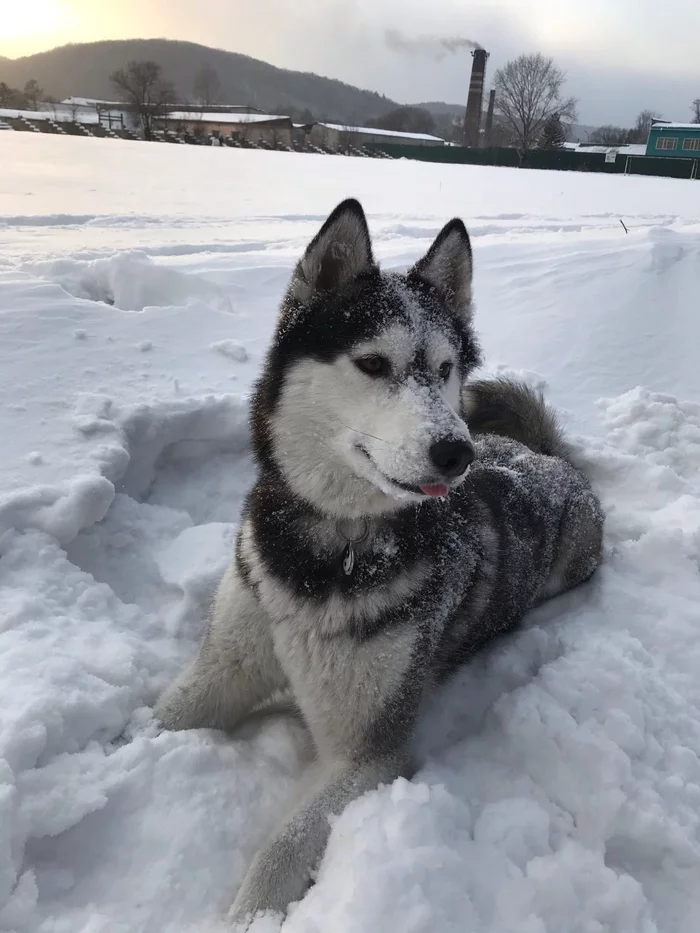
{"type": "Point", "coordinates": [357, 431]}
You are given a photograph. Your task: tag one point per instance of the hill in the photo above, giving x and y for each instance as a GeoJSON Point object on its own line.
{"type": "Point", "coordinates": [84, 69]}
{"type": "Point", "coordinates": [440, 109]}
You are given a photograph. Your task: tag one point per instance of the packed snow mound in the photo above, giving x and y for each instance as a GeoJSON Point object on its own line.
{"type": "Point", "coordinates": [558, 788]}
{"type": "Point", "coordinates": [130, 281]}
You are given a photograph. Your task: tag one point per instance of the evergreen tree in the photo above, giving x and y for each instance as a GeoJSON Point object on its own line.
{"type": "Point", "coordinates": [553, 133]}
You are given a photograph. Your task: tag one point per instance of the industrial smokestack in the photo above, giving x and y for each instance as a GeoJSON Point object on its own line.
{"type": "Point", "coordinates": [472, 117]}
{"type": "Point", "coordinates": [489, 117]}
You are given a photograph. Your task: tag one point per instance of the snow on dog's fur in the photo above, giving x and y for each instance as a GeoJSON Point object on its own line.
{"type": "Point", "coordinates": [383, 543]}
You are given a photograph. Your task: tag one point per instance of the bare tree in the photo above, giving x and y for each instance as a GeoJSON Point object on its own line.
{"type": "Point", "coordinates": [33, 92]}
{"type": "Point", "coordinates": [144, 88]}
{"type": "Point", "coordinates": [696, 110]}
{"type": "Point", "coordinates": [642, 125]}
{"type": "Point", "coordinates": [7, 94]}
{"type": "Point", "coordinates": [13, 97]}
{"type": "Point", "coordinates": [51, 104]}
{"type": "Point", "coordinates": [609, 136]}
{"type": "Point", "coordinates": [207, 86]}
{"type": "Point", "coordinates": [528, 93]}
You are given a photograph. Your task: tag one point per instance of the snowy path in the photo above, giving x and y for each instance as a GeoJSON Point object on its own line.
{"type": "Point", "coordinates": [560, 782]}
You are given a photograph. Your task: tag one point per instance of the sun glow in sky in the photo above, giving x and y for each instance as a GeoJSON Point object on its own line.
{"type": "Point", "coordinates": [29, 27]}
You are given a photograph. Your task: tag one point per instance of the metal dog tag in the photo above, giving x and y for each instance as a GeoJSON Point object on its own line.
{"type": "Point", "coordinates": [348, 559]}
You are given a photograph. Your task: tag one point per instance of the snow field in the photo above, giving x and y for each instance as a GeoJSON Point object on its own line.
{"type": "Point", "coordinates": [559, 786]}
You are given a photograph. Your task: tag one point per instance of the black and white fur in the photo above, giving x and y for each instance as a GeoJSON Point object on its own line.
{"type": "Point", "coordinates": [352, 590]}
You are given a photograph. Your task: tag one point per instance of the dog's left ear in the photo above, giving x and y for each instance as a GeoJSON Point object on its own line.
{"type": "Point", "coordinates": [447, 266]}
{"type": "Point", "coordinates": [338, 254]}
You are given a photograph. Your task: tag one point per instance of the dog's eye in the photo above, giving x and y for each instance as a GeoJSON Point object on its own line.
{"type": "Point", "coordinates": [373, 365]}
{"type": "Point", "coordinates": [445, 370]}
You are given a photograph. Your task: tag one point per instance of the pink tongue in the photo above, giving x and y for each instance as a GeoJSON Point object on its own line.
{"type": "Point", "coordinates": [439, 489]}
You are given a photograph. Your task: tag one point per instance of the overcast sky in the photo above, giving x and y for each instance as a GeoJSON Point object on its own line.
{"type": "Point", "coordinates": [620, 55]}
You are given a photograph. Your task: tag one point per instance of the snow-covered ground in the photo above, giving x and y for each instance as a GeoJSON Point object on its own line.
{"type": "Point", "coordinates": [559, 789]}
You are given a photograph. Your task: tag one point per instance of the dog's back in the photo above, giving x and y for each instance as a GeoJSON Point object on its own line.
{"type": "Point", "coordinates": [540, 526]}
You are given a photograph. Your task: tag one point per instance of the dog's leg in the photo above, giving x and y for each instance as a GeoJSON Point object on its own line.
{"type": "Point", "coordinates": [579, 546]}
{"type": "Point", "coordinates": [236, 668]}
{"type": "Point", "coordinates": [359, 699]}
{"type": "Point", "coordinates": [280, 872]}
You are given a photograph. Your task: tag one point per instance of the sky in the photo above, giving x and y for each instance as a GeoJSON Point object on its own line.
{"type": "Point", "coordinates": [620, 56]}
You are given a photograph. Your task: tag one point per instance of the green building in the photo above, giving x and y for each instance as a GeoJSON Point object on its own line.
{"type": "Point", "coordinates": [677, 140]}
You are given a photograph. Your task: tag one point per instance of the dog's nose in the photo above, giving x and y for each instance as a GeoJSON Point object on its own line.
{"type": "Point", "coordinates": [452, 457]}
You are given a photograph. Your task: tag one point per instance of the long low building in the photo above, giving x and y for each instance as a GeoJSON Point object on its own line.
{"type": "Point", "coordinates": [338, 136]}
{"type": "Point", "coordinates": [235, 120]}
{"type": "Point", "coordinates": [635, 149]}
{"type": "Point", "coordinates": [254, 127]}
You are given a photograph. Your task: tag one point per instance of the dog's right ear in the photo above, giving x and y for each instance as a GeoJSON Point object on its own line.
{"type": "Point", "coordinates": [447, 266]}
{"type": "Point", "coordinates": [339, 253]}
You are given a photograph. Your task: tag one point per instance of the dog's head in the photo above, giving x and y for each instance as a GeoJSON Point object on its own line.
{"type": "Point", "coordinates": [358, 405]}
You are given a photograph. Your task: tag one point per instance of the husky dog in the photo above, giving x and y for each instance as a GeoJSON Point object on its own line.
{"type": "Point", "coordinates": [400, 520]}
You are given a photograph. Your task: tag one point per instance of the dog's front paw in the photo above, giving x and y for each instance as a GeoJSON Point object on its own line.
{"type": "Point", "coordinates": [275, 880]}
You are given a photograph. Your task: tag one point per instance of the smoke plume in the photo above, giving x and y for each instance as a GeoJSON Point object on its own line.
{"type": "Point", "coordinates": [435, 47]}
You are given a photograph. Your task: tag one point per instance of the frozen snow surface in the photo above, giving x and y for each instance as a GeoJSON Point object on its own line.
{"type": "Point", "coordinates": [559, 781]}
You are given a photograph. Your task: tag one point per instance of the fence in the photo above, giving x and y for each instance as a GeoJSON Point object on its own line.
{"type": "Point", "coordinates": [560, 160]}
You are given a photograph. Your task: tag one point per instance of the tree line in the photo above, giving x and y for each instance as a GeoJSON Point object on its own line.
{"type": "Point", "coordinates": [26, 99]}
{"type": "Point", "coordinates": [639, 133]}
